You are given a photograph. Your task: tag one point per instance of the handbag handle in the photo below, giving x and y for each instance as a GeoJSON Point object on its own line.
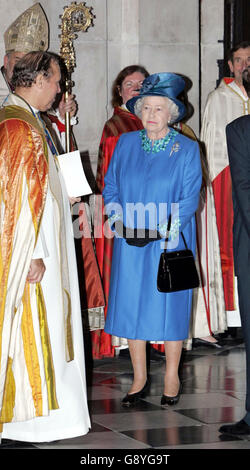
{"type": "Point", "coordinates": [168, 230]}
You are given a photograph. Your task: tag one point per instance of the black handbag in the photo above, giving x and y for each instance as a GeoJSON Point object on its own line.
{"type": "Point", "coordinates": [177, 270]}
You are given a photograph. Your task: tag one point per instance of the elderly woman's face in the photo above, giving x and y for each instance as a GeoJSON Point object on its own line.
{"type": "Point", "coordinates": [155, 116]}
{"type": "Point", "coordinates": [131, 85]}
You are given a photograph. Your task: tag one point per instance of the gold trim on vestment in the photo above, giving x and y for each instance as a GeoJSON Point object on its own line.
{"type": "Point", "coordinates": [55, 188]}
{"type": "Point", "coordinates": [30, 352]}
{"type": "Point", "coordinates": [46, 347]}
{"type": "Point", "coordinates": [241, 97]}
{"type": "Point", "coordinates": [6, 255]}
{"type": "Point", "coordinates": [17, 163]}
{"type": "Point", "coordinates": [22, 145]}
{"type": "Point", "coordinates": [9, 393]}
{"type": "Point", "coordinates": [69, 337]}
{"type": "Point", "coordinates": [13, 111]}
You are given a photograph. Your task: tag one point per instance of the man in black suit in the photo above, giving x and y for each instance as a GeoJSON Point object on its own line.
{"type": "Point", "coordinates": [238, 142]}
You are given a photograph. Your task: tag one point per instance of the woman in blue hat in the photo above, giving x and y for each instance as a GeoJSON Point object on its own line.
{"type": "Point", "coordinates": [154, 172]}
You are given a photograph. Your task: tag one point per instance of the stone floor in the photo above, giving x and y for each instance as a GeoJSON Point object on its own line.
{"type": "Point", "coordinates": [213, 393]}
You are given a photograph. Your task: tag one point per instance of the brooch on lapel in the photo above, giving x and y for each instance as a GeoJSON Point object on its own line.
{"type": "Point", "coordinates": [175, 148]}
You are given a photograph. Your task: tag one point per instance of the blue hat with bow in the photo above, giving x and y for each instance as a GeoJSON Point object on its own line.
{"type": "Point", "coordinates": [169, 85]}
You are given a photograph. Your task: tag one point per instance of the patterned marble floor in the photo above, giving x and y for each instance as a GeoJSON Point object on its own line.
{"type": "Point", "coordinates": [213, 393]}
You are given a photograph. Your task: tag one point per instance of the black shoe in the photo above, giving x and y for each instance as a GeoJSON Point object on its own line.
{"type": "Point", "coordinates": [240, 428]}
{"type": "Point", "coordinates": [197, 342]}
{"type": "Point", "coordinates": [132, 398]}
{"type": "Point", "coordinates": [124, 353]}
{"type": "Point", "coordinates": [230, 333]}
{"type": "Point", "coordinates": [166, 400]}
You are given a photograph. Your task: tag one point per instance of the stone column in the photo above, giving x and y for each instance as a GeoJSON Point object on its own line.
{"type": "Point", "coordinates": [10, 14]}
{"type": "Point", "coordinates": [212, 31]}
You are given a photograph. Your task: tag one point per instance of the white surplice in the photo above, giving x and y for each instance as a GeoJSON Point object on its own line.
{"type": "Point", "coordinates": [72, 417]}
{"type": "Point", "coordinates": [224, 104]}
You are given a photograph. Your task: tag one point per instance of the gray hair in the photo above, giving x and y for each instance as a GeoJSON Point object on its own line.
{"type": "Point", "coordinates": [172, 108]}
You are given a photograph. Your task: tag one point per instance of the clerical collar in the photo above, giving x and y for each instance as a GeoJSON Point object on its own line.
{"type": "Point", "coordinates": [236, 88]}
{"type": "Point", "coordinates": [35, 111]}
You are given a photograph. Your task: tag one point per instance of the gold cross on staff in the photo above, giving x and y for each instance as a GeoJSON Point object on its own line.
{"type": "Point", "coordinates": [76, 17]}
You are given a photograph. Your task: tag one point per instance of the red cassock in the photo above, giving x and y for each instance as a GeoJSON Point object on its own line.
{"type": "Point", "coordinates": [222, 187]}
{"type": "Point", "coordinates": [122, 121]}
{"type": "Point", "coordinates": [225, 104]}
{"type": "Point", "coordinates": [90, 284]}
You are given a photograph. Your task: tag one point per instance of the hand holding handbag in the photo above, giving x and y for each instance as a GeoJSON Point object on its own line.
{"type": "Point", "coordinates": [177, 270]}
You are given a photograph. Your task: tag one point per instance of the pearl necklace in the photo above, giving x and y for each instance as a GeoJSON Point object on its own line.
{"type": "Point", "coordinates": [157, 145]}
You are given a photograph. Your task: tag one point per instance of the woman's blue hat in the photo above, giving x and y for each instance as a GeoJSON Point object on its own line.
{"type": "Point", "coordinates": [168, 85]}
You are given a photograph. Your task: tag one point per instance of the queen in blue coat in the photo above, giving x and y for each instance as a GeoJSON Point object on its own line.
{"type": "Point", "coordinates": [152, 173]}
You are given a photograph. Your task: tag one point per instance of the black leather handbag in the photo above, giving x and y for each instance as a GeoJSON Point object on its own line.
{"type": "Point", "coordinates": [177, 270]}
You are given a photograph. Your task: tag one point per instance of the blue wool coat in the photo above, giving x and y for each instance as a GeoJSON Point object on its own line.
{"type": "Point", "coordinates": [136, 309]}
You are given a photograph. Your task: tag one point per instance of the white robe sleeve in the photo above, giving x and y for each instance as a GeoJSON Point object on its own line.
{"type": "Point", "coordinates": [41, 250]}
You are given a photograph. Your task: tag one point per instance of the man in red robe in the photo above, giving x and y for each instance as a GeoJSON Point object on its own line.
{"type": "Point", "coordinates": [228, 102]}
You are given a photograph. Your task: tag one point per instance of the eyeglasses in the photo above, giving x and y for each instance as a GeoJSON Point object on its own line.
{"type": "Point", "coordinates": [131, 83]}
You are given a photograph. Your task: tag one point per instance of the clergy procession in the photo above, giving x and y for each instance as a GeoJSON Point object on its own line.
{"type": "Point", "coordinates": [94, 287]}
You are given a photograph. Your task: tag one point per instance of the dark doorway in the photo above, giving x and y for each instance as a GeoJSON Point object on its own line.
{"type": "Point", "coordinates": [236, 27]}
